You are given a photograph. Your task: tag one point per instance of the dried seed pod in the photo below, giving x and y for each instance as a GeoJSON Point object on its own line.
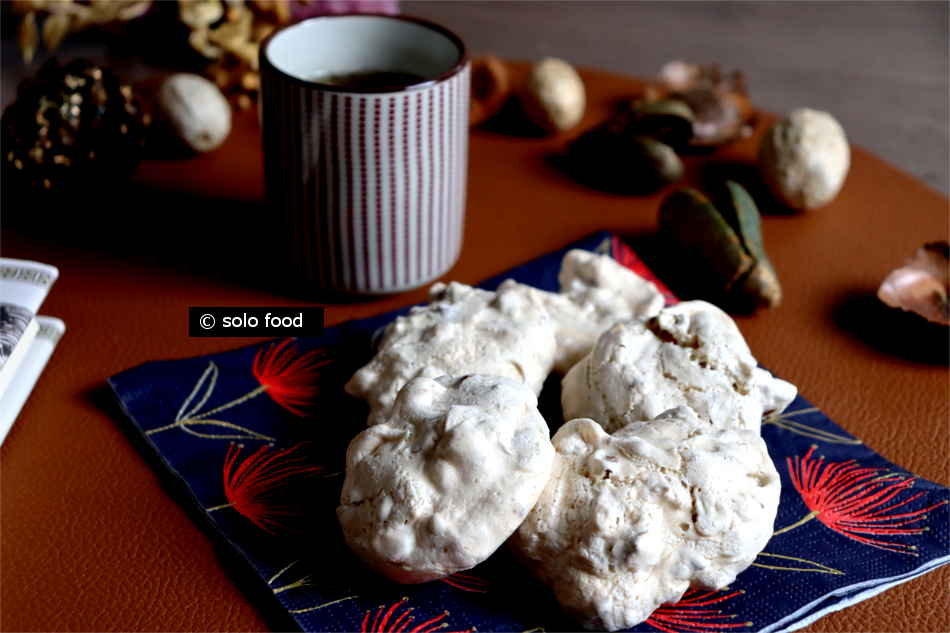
{"type": "Point", "coordinates": [724, 249]}
{"type": "Point", "coordinates": [922, 284]}
{"type": "Point", "coordinates": [740, 210]}
{"type": "Point", "coordinates": [72, 127]}
{"type": "Point", "coordinates": [623, 164]}
{"type": "Point", "coordinates": [689, 221]}
{"type": "Point", "coordinates": [804, 159]}
{"type": "Point", "coordinates": [553, 96]}
{"type": "Point", "coordinates": [669, 121]}
{"type": "Point", "coordinates": [721, 108]}
{"type": "Point", "coordinates": [491, 87]}
{"type": "Point", "coordinates": [195, 110]}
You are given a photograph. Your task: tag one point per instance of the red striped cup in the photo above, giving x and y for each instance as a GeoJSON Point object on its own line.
{"type": "Point", "coordinates": [370, 184]}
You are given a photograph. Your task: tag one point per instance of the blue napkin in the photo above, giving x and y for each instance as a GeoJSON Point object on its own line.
{"type": "Point", "coordinates": [258, 435]}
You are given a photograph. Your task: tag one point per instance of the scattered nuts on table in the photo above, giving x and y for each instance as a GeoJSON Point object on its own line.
{"type": "Point", "coordinates": [195, 110]}
{"type": "Point", "coordinates": [722, 247]}
{"type": "Point", "coordinates": [804, 159]}
{"type": "Point", "coordinates": [922, 284]}
{"type": "Point", "coordinates": [553, 96]}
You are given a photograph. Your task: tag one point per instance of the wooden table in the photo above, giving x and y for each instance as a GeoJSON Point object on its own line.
{"type": "Point", "coordinates": [91, 541]}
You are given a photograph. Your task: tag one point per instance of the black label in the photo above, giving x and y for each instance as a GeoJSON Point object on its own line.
{"type": "Point", "coordinates": [218, 322]}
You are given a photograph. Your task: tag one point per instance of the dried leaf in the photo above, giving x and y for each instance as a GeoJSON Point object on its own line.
{"type": "Point", "coordinates": [55, 28]}
{"type": "Point", "coordinates": [134, 9]}
{"type": "Point", "coordinates": [721, 108]}
{"type": "Point", "coordinates": [198, 39]}
{"type": "Point", "coordinates": [200, 14]}
{"type": "Point", "coordinates": [22, 7]}
{"type": "Point", "coordinates": [28, 36]}
{"type": "Point", "coordinates": [235, 31]}
{"type": "Point", "coordinates": [922, 284]}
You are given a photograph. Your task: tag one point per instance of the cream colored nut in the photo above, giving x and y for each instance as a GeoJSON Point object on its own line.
{"type": "Point", "coordinates": [553, 96]}
{"type": "Point", "coordinates": [196, 110]}
{"type": "Point", "coordinates": [631, 520]}
{"type": "Point", "coordinates": [804, 159]}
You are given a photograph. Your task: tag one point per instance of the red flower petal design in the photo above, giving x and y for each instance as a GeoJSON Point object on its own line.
{"type": "Point", "coordinates": [686, 617]}
{"type": "Point", "coordinates": [386, 620]}
{"type": "Point", "coordinates": [257, 486]}
{"type": "Point", "coordinates": [467, 582]}
{"type": "Point", "coordinates": [626, 257]}
{"type": "Point", "coordinates": [292, 380]}
{"type": "Point", "coordinates": [858, 501]}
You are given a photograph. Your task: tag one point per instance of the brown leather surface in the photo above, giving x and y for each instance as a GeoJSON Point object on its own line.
{"type": "Point", "coordinates": [90, 539]}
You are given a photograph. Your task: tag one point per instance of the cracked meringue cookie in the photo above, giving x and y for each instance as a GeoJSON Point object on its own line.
{"type": "Point", "coordinates": [601, 292]}
{"type": "Point", "coordinates": [518, 331]}
{"type": "Point", "coordinates": [464, 330]}
{"type": "Point", "coordinates": [442, 483]}
{"type": "Point", "coordinates": [630, 521]}
{"type": "Point", "coordinates": [690, 354]}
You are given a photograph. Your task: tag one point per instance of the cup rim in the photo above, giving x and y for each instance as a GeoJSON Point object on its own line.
{"type": "Point", "coordinates": [266, 64]}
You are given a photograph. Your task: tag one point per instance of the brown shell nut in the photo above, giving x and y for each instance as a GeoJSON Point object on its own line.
{"type": "Point", "coordinates": [623, 164]}
{"type": "Point", "coordinates": [669, 121]}
{"type": "Point", "coordinates": [491, 87]}
{"type": "Point", "coordinates": [553, 96]}
{"type": "Point", "coordinates": [922, 284]}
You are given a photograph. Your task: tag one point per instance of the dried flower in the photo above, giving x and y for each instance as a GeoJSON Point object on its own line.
{"type": "Point", "coordinates": [289, 378]}
{"type": "Point", "coordinates": [857, 502]}
{"type": "Point", "coordinates": [257, 488]}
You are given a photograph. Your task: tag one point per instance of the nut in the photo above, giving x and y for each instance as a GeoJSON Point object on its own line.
{"type": "Point", "coordinates": [804, 159]}
{"type": "Point", "coordinates": [195, 110]}
{"type": "Point", "coordinates": [491, 87]}
{"type": "Point", "coordinates": [622, 164]}
{"type": "Point", "coordinates": [553, 96]}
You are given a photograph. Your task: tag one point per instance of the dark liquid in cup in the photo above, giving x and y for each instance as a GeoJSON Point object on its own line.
{"type": "Point", "coordinates": [370, 80]}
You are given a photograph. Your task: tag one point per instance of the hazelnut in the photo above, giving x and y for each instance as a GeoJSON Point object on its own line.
{"type": "Point", "coordinates": [553, 96]}
{"type": "Point", "coordinates": [804, 159]}
{"type": "Point", "coordinates": [195, 110]}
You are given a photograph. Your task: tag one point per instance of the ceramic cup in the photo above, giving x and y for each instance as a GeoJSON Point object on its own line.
{"type": "Point", "coordinates": [369, 185]}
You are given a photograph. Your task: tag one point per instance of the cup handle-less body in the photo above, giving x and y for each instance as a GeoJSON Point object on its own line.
{"type": "Point", "coordinates": [370, 188]}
